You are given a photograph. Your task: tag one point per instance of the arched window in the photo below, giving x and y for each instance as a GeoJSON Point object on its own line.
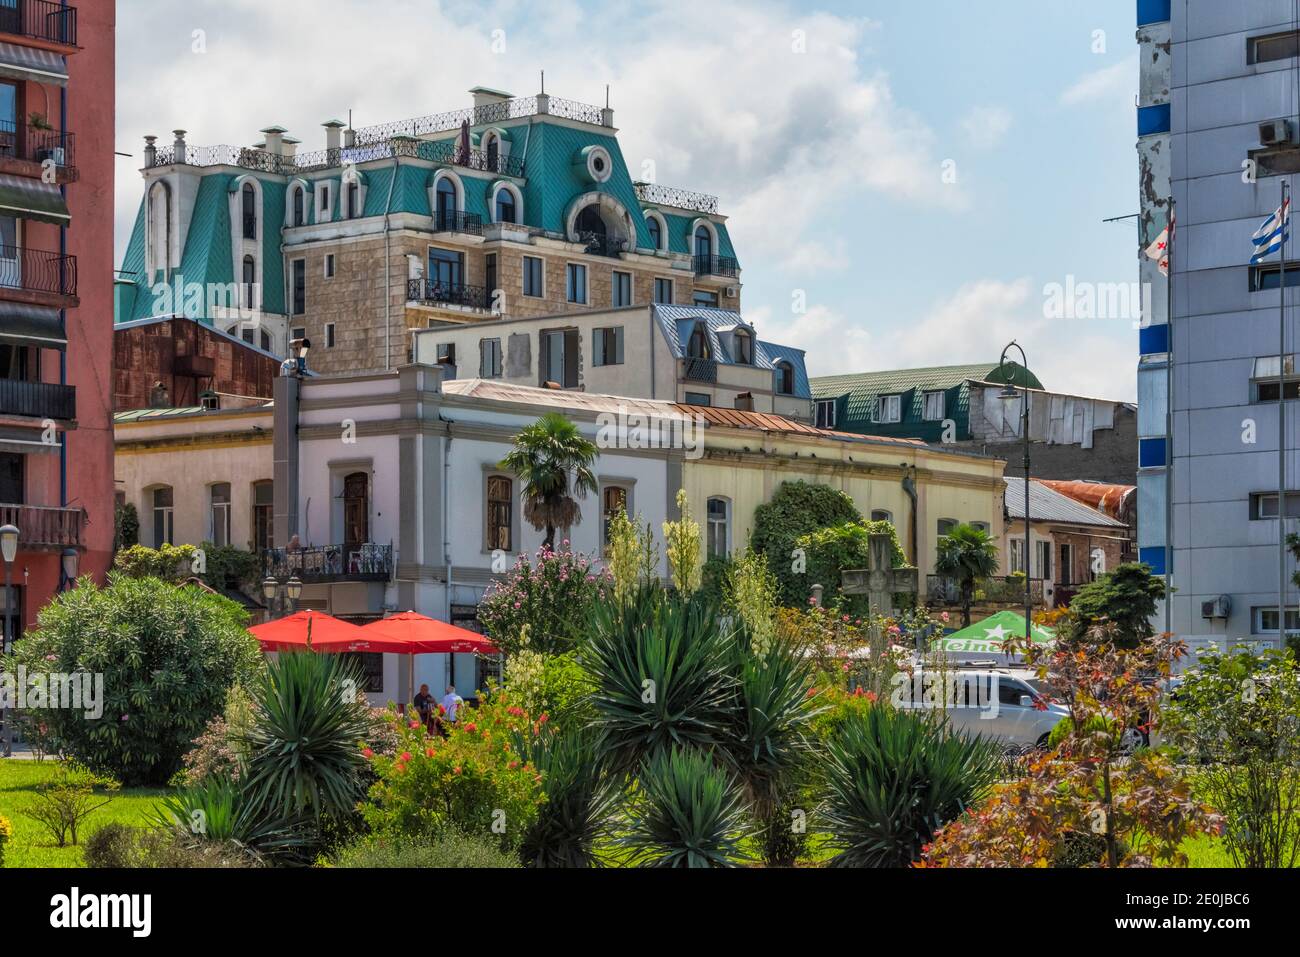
{"type": "Point", "coordinates": [164, 528]}
{"type": "Point", "coordinates": [250, 282]}
{"type": "Point", "coordinates": [656, 232]}
{"type": "Point", "coordinates": [250, 211]}
{"type": "Point", "coordinates": [505, 206]}
{"type": "Point", "coordinates": [719, 530]}
{"type": "Point", "coordinates": [160, 218]}
{"type": "Point", "coordinates": [356, 509]}
{"type": "Point", "coordinates": [744, 347]}
{"type": "Point", "coordinates": [500, 513]}
{"type": "Point", "coordinates": [697, 347]}
{"type": "Point", "coordinates": [492, 147]}
{"type": "Point", "coordinates": [703, 243]}
{"type": "Point", "coordinates": [882, 515]}
{"type": "Point", "coordinates": [784, 378]}
{"type": "Point", "coordinates": [446, 204]}
{"type": "Point", "coordinates": [590, 221]}
{"type": "Point", "coordinates": [354, 200]}
{"type": "Point", "coordinates": [299, 206]}
{"type": "Point", "coordinates": [219, 514]}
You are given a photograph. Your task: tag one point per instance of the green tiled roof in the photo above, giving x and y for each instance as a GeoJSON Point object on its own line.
{"type": "Point", "coordinates": [857, 397]}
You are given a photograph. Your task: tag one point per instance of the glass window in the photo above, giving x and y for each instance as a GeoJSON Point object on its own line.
{"type": "Point", "coordinates": [219, 525]}
{"type": "Point", "coordinates": [697, 347]}
{"type": "Point", "coordinates": [1043, 557]}
{"type": "Point", "coordinates": [698, 398]}
{"type": "Point", "coordinates": [614, 501]}
{"type": "Point", "coordinates": [575, 283]}
{"type": "Point", "coordinates": [8, 110]}
{"type": "Point", "coordinates": [324, 193]}
{"type": "Point", "coordinates": [1017, 556]}
{"type": "Point", "coordinates": [250, 211]}
{"type": "Point", "coordinates": [500, 513]}
{"type": "Point", "coordinates": [263, 516]}
{"type": "Point", "coordinates": [505, 206]}
{"type": "Point", "coordinates": [826, 412]}
{"type": "Point", "coordinates": [784, 378]}
{"type": "Point", "coordinates": [620, 290]}
{"type": "Point", "coordinates": [703, 243]}
{"type": "Point", "coordinates": [1276, 46]}
{"type": "Point", "coordinates": [744, 347]}
{"type": "Point", "coordinates": [446, 269]}
{"type": "Point", "coordinates": [163, 515]}
{"type": "Point", "coordinates": [250, 282]}
{"type": "Point", "coordinates": [881, 515]}
{"type": "Point", "coordinates": [354, 200]}
{"type": "Point", "coordinates": [664, 292]}
{"type": "Point", "coordinates": [1266, 620]}
{"type": "Point", "coordinates": [329, 265]}
{"type": "Point", "coordinates": [607, 346]}
{"type": "Point", "coordinates": [719, 510]}
{"type": "Point", "coordinates": [934, 407]}
{"type": "Point", "coordinates": [946, 525]}
{"type": "Point", "coordinates": [1264, 505]}
{"type": "Point", "coordinates": [705, 299]}
{"type": "Point", "coordinates": [532, 276]}
{"type": "Point", "coordinates": [329, 335]}
{"type": "Point", "coordinates": [889, 408]}
{"type": "Point", "coordinates": [446, 208]}
{"type": "Point", "coordinates": [656, 234]}
{"type": "Point", "coordinates": [489, 358]}
{"type": "Point", "coordinates": [299, 286]}
{"type": "Point", "coordinates": [299, 214]}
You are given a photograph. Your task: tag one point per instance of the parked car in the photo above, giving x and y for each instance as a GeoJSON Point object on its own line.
{"type": "Point", "coordinates": [992, 702]}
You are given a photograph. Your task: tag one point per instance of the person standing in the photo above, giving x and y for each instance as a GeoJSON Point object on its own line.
{"type": "Point", "coordinates": [451, 702]}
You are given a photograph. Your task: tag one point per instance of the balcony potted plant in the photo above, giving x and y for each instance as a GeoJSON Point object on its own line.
{"type": "Point", "coordinates": [37, 123]}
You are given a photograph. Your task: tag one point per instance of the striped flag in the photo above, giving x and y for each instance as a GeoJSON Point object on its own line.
{"type": "Point", "coordinates": [1159, 250]}
{"type": "Point", "coordinates": [1276, 230]}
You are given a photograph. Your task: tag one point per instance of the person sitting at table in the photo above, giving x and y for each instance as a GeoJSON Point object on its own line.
{"type": "Point", "coordinates": [424, 703]}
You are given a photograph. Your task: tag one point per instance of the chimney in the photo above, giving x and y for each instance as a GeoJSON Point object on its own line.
{"type": "Point", "coordinates": [178, 147]}
{"type": "Point", "coordinates": [487, 97]}
{"type": "Point", "coordinates": [333, 135]}
{"type": "Point", "coordinates": [745, 402]}
{"type": "Point", "coordinates": [275, 139]}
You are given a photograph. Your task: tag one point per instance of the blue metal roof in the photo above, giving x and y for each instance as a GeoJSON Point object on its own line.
{"type": "Point", "coordinates": [678, 321]}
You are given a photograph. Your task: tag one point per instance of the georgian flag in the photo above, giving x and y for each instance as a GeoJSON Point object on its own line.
{"type": "Point", "coordinates": [1159, 250]}
{"type": "Point", "coordinates": [1269, 237]}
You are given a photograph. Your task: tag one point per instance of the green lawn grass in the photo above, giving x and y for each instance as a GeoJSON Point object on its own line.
{"type": "Point", "coordinates": [31, 845]}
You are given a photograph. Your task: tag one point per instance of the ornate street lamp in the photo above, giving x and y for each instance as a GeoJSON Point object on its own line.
{"type": "Point", "coordinates": [9, 535]}
{"type": "Point", "coordinates": [1010, 393]}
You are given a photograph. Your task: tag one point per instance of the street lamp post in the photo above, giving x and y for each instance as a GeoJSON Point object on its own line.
{"type": "Point", "coordinates": [1009, 392]}
{"type": "Point", "coordinates": [282, 596]}
{"type": "Point", "coordinates": [8, 551]}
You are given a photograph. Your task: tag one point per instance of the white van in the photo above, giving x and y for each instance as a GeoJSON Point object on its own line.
{"type": "Point", "coordinates": [991, 702]}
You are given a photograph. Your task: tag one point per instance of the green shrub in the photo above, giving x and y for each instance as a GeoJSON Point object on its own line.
{"type": "Point", "coordinates": [220, 812]}
{"type": "Point", "coordinates": [168, 656]}
{"type": "Point", "coordinates": [829, 552]}
{"type": "Point", "coordinates": [894, 779]}
{"type": "Point", "coordinates": [6, 834]}
{"type": "Point", "coordinates": [579, 797]}
{"type": "Point", "coordinates": [118, 846]}
{"type": "Point", "coordinates": [114, 846]}
{"type": "Point", "coordinates": [450, 850]}
{"type": "Point", "coordinates": [222, 566]}
{"type": "Point", "coordinates": [690, 813]}
{"type": "Point", "coordinates": [126, 526]}
{"type": "Point", "coordinates": [1126, 597]}
{"type": "Point", "coordinates": [795, 510]}
{"type": "Point", "coordinates": [69, 797]}
{"type": "Point", "coordinates": [544, 605]}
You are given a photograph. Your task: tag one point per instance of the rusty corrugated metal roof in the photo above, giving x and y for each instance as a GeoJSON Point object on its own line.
{"type": "Point", "coordinates": [1105, 498]}
{"type": "Point", "coordinates": [770, 422]}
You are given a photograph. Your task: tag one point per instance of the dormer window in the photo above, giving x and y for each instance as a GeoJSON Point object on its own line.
{"type": "Point", "coordinates": [744, 347]}
{"type": "Point", "coordinates": [698, 345]}
{"type": "Point", "coordinates": [299, 211]}
{"type": "Point", "coordinates": [506, 204]}
{"type": "Point", "coordinates": [656, 233]}
{"type": "Point", "coordinates": [353, 197]}
{"type": "Point", "coordinates": [446, 210]}
{"type": "Point", "coordinates": [703, 243]}
{"type": "Point", "coordinates": [250, 211]}
{"type": "Point", "coordinates": [784, 378]}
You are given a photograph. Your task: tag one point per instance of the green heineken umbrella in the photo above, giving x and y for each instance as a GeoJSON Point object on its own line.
{"type": "Point", "coordinates": [986, 637]}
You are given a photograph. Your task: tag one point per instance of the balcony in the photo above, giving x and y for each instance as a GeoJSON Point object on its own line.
{"type": "Point", "coordinates": [725, 266]}
{"type": "Point", "coordinates": [448, 294]}
{"type": "Point", "coordinates": [598, 244]}
{"type": "Point", "coordinates": [941, 590]}
{"type": "Point", "coordinates": [455, 221]}
{"type": "Point", "coordinates": [656, 195]}
{"type": "Point", "coordinates": [321, 564]}
{"type": "Point", "coordinates": [45, 20]}
{"type": "Point", "coordinates": [700, 370]}
{"type": "Point", "coordinates": [45, 529]}
{"type": "Point", "coordinates": [25, 144]}
{"type": "Point", "coordinates": [38, 400]}
{"type": "Point", "coordinates": [33, 275]}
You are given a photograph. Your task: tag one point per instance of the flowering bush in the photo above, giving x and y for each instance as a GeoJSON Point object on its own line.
{"type": "Point", "coordinates": [544, 604]}
{"type": "Point", "coordinates": [474, 780]}
{"type": "Point", "coordinates": [550, 684]}
{"type": "Point", "coordinates": [6, 832]}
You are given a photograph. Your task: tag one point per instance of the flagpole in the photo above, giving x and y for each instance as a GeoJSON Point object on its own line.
{"type": "Point", "coordinates": [1169, 419]}
{"type": "Point", "coordinates": [1281, 430]}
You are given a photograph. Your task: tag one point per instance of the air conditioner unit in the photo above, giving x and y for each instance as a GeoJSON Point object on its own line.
{"type": "Point", "coordinates": [1219, 607]}
{"type": "Point", "coordinates": [733, 292]}
{"type": "Point", "coordinates": [1275, 132]}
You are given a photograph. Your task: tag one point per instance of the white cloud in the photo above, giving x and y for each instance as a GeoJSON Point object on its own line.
{"type": "Point", "coordinates": [986, 126]}
{"type": "Point", "coordinates": [1116, 82]}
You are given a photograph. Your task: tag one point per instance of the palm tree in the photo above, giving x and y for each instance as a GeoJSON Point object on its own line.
{"type": "Point", "coordinates": [551, 458]}
{"type": "Point", "coordinates": [967, 554]}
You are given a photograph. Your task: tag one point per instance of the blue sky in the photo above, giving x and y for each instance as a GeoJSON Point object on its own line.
{"type": "Point", "coordinates": [824, 128]}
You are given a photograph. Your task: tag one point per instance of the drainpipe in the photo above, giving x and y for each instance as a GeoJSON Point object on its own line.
{"type": "Point", "coordinates": [388, 270]}
{"type": "Point", "coordinates": [63, 313]}
{"type": "Point", "coordinates": [909, 487]}
{"type": "Point", "coordinates": [446, 539]}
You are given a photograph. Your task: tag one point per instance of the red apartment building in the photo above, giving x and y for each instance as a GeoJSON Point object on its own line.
{"type": "Point", "coordinates": [56, 291]}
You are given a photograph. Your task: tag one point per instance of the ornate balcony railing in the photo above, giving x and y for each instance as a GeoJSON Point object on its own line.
{"type": "Point", "coordinates": [717, 266]}
{"type": "Point", "coordinates": [45, 528]}
{"type": "Point", "coordinates": [942, 590]}
{"type": "Point", "coordinates": [447, 293]}
{"type": "Point", "coordinates": [40, 19]}
{"type": "Point", "coordinates": [35, 270]}
{"type": "Point", "coordinates": [601, 245]}
{"type": "Point", "coordinates": [38, 400]}
{"type": "Point", "coordinates": [455, 221]}
{"type": "Point", "coordinates": [679, 198]}
{"type": "Point", "coordinates": [701, 370]}
{"type": "Point", "coordinates": [330, 563]}
{"type": "Point", "coordinates": [36, 146]}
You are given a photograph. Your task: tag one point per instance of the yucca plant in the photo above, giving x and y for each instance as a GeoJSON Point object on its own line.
{"type": "Point", "coordinates": [661, 667]}
{"type": "Point", "coordinates": [580, 797]}
{"type": "Point", "coordinates": [894, 779]}
{"type": "Point", "coordinates": [220, 811]}
{"type": "Point", "coordinates": [304, 757]}
{"type": "Point", "coordinates": [688, 813]}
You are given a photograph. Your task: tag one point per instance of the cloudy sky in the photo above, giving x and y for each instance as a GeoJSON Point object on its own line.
{"type": "Point", "coordinates": [902, 182]}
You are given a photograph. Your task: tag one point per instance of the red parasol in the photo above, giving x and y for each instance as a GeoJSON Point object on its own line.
{"type": "Point", "coordinates": [328, 634]}
{"type": "Point", "coordinates": [420, 635]}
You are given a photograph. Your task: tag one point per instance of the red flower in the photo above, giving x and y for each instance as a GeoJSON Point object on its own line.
{"type": "Point", "coordinates": [367, 752]}
{"type": "Point", "coordinates": [456, 770]}
{"type": "Point", "coordinates": [428, 752]}
{"type": "Point", "coordinates": [471, 727]}
{"type": "Point", "coordinates": [406, 756]}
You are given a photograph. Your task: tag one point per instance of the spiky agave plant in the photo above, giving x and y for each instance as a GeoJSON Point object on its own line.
{"type": "Point", "coordinates": [689, 812]}
{"type": "Point", "coordinates": [580, 797]}
{"type": "Point", "coordinates": [661, 670]}
{"type": "Point", "coordinates": [894, 778]}
{"type": "Point", "coordinates": [302, 746]}
{"type": "Point", "coordinates": [219, 810]}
